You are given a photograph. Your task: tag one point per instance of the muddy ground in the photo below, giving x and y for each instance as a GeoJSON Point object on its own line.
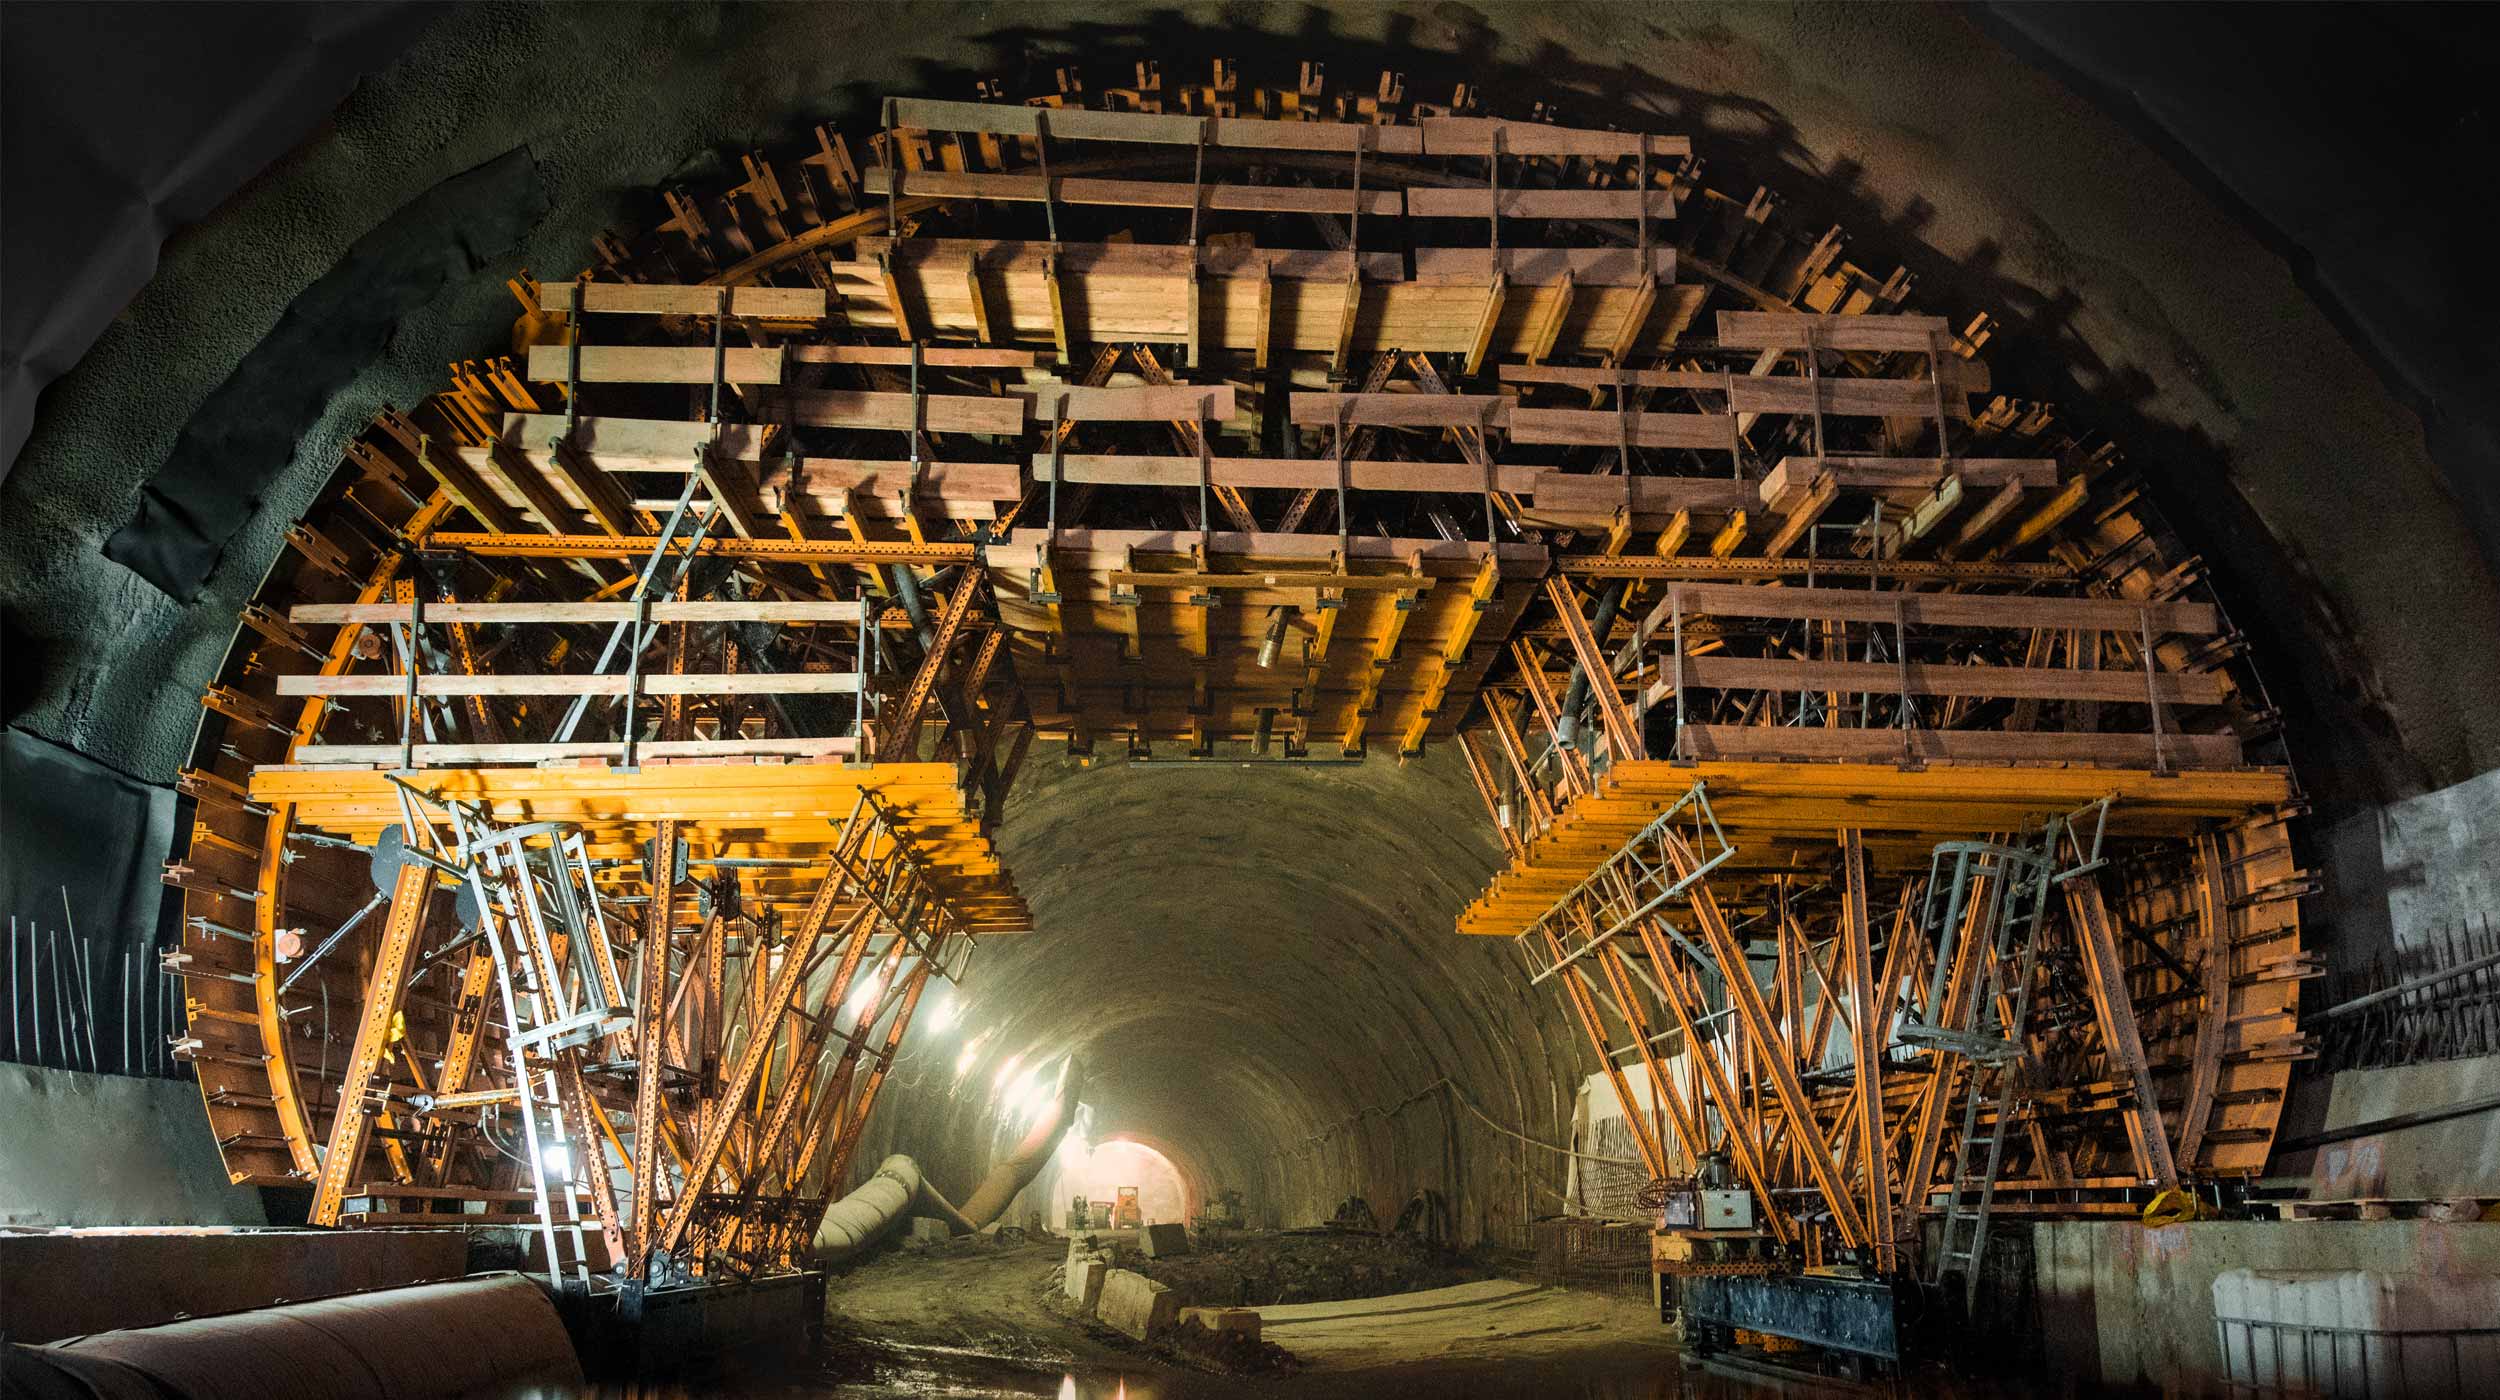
{"type": "Point", "coordinates": [1254, 1271]}
{"type": "Point", "coordinates": [970, 1318]}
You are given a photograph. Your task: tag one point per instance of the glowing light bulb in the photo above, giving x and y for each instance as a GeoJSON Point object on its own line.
{"type": "Point", "coordinates": [1067, 1387]}
{"type": "Point", "coordinates": [943, 1015]}
{"type": "Point", "coordinates": [555, 1159]}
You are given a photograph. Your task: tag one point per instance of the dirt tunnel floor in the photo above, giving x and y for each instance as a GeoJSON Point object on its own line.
{"type": "Point", "coordinates": [971, 1319]}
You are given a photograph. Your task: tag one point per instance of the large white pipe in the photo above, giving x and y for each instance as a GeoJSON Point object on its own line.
{"type": "Point", "coordinates": [898, 1189]}
{"type": "Point", "coordinates": [858, 1219]}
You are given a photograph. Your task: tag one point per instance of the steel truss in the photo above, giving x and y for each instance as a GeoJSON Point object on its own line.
{"type": "Point", "coordinates": [686, 1092]}
{"type": "Point", "coordinates": [1858, 1066]}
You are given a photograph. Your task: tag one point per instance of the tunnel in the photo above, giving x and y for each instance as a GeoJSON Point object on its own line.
{"type": "Point", "coordinates": [718, 655]}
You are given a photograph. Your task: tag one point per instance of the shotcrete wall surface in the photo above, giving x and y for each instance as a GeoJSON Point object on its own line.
{"type": "Point", "coordinates": [1255, 964]}
{"type": "Point", "coordinates": [1257, 961]}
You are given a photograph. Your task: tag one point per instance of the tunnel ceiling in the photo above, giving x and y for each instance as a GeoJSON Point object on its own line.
{"type": "Point", "coordinates": [1255, 963]}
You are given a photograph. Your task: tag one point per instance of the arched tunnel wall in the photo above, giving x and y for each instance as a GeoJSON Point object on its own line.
{"type": "Point", "coordinates": [1258, 962]}
{"type": "Point", "coordinates": [1255, 965]}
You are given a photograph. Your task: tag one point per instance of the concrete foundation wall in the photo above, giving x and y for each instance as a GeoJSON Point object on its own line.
{"type": "Point", "coordinates": [2122, 1305]}
{"type": "Point", "coordinates": [93, 1149]}
{"type": "Point", "coordinates": [2400, 876]}
{"type": "Point", "coordinates": [2457, 1157]}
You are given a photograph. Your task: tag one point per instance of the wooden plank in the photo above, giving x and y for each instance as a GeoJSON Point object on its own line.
{"type": "Point", "coordinates": [663, 610]}
{"type": "Point", "coordinates": [1224, 262]}
{"type": "Point", "coordinates": [664, 299]}
{"type": "Point", "coordinates": [634, 444]}
{"type": "Point", "coordinates": [1108, 549]}
{"type": "Point", "coordinates": [1571, 427]}
{"type": "Point", "coordinates": [1599, 497]}
{"type": "Point", "coordinates": [654, 364]}
{"type": "Point", "coordinates": [1083, 124]}
{"type": "Point", "coordinates": [1961, 377]}
{"type": "Point", "coordinates": [1296, 473]}
{"type": "Point", "coordinates": [1924, 678]}
{"type": "Point", "coordinates": [934, 356]}
{"type": "Point", "coordinates": [827, 480]}
{"type": "Point", "coordinates": [1076, 403]}
{"type": "Point", "coordinates": [1423, 202]}
{"type": "Point", "coordinates": [1943, 610]}
{"type": "Point", "coordinates": [1540, 267]}
{"type": "Point", "coordinates": [1789, 330]}
{"type": "Point", "coordinates": [1859, 398]}
{"type": "Point", "coordinates": [1400, 410]}
{"type": "Point", "coordinates": [733, 683]}
{"type": "Point", "coordinates": [946, 413]}
{"type": "Point", "coordinates": [1473, 136]}
{"type": "Point", "coordinates": [1794, 742]}
{"type": "Point", "coordinates": [1133, 194]}
{"type": "Point", "coordinates": [1909, 476]}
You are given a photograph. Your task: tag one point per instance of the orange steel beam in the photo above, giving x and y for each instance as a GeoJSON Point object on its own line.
{"type": "Point", "coordinates": [412, 890]}
{"type": "Point", "coordinates": [902, 730]}
{"type": "Point", "coordinates": [1740, 1127]}
{"type": "Point", "coordinates": [1756, 1018]}
{"type": "Point", "coordinates": [1866, 1043]}
{"type": "Point", "coordinates": [648, 1048]}
{"type": "Point", "coordinates": [1584, 1005]}
{"type": "Point", "coordinates": [1623, 737]}
{"type": "Point", "coordinates": [765, 1016]}
{"type": "Point", "coordinates": [2106, 979]}
{"type": "Point", "coordinates": [848, 1140]}
{"type": "Point", "coordinates": [805, 1048]}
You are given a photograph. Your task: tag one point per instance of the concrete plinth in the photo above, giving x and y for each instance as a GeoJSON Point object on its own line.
{"type": "Point", "coordinates": [1085, 1280]}
{"type": "Point", "coordinates": [1166, 1241]}
{"type": "Point", "coordinates": [1242, 1320]}
{"type": "Point", "coordinates": [1136, 1304]}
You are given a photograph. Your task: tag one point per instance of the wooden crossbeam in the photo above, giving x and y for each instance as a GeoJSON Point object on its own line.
{"type": "Point", "coordinates": [944, 413]}
{"type": "Point", "coordinates": [428, 755]}
{"type": "Point", "coordinates": [660, 610]}
{"type": "Point", "coordinates": [654, 364]}
{"type": "Point", "coordinates": [1302, 473]}
{"type": "Point", "coordinates": [1076, 403]}
{"type": "Point", "coordinates": [933, 356]}
{"type": "Point", "coordinates": [730, 683]}
{"type": "Point", "coordinates": [1398, 410]}
{"type": "Point", "coordinates": [1795, 742]}
{"type": "Point", "coordinates": [1424, 202]}
{"type": "Point", "coordinates": [1922, 678]}
{"type": "Point", "coordinates": [1133, 194]}
{"type": "Point", "coordinates": [1943, 610]}
{"type": "Point", "coordinates": [1436, 136]}
{"type": "Point", "coordinates": [664, 299]}
{"type": "Point", "coordinates": [1569, 427]}
{"type": "Point", "coordinates": [1786, 330]}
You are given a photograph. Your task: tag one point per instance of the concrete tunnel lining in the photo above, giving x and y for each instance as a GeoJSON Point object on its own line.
{"type": "Point", "coordinates": [1253, 963]}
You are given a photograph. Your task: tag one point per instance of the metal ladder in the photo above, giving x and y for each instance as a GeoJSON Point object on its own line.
{"type": "Point", "coordinates": [2017, 897]}
{"type": "Point", "coordinates": [513, 919]}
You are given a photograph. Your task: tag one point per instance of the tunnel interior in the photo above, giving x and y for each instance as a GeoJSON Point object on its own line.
{"type": "Point", "coordinates": [1208, 943]}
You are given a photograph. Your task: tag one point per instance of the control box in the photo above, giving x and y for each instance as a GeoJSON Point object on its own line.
{"type": "Point", "coordinates": [1727, 1210]}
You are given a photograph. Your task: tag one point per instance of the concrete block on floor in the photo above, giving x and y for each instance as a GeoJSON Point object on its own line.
{"type": "Point", "coordinates": [1136, 1304]}
{"type": "Point", "coordinates": [1166, 1241]}
{"type": "Point", "coordinates": [1085, 1280]}
{"type": "Point", "coordinates": [1242, 1320]}
{"type": "Point", "coordinates": [927, 1231]}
